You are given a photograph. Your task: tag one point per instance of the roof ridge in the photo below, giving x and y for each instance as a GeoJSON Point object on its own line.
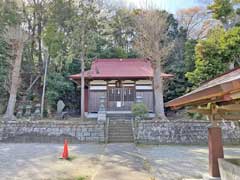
{"type": "Point", "coordinates": [218, 76]}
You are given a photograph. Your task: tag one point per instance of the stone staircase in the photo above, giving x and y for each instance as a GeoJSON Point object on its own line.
{"type": "Point", "coordinates": [117, 116]}
{"type": "Point", "coordinates": [120, 131]}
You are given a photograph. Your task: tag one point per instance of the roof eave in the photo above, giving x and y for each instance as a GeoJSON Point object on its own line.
{"type": "Point", "coordinates": [208, 93]}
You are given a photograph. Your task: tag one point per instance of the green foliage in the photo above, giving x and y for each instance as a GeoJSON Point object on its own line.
{"type": "Point", "coordinates": [122, 28]}
{"type": "Point", "coordinates": [68, 29]}
{"type": "Point", "coordinates": [214, 54]}
{"type": "Point", "coordinates": [9, 15]}
{"type": "Point", "coordinates": [71, 30]}
{"type": "Point", "coordinates": [81, 178]}
{"type": "Point", "coordinates": [117, 52]}
{"type": "Point", "coordinates": [197, 116]}
{"type": "Point", "coordinates": [175, 65]}
{"type": "Point", "coordinates": [230, 45]}
{"type": "Point", "coordinates": [4, 71]}
{"type": "Point", "coordinates": [139, 110]}
{"type": "Point", "coordinates": [53, 39]}
{"type": "Point", "coordinates": [189, 55]}
{"type": "Point", "coordinates": [221, 9]}
{"type": "Point", "coordinates": [74, 29]}
{"type": "Point", "coordinates": [58, 87]}
{"type": "Point", "coordinates": [74, 67]}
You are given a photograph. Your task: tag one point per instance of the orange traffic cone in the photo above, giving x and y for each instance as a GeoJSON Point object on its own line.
{"type": "Point", "coordinates": [65, 150]}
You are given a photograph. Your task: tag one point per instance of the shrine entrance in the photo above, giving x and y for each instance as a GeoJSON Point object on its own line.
{"type": "Point", "coordinates": [120, 98]}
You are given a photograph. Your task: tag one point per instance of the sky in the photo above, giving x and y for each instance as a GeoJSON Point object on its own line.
{"type": "Point", "coordinates": [169, 5]}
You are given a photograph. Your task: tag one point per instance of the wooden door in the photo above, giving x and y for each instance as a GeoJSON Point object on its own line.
{"type": "Point", "coordinates": [120, 99]}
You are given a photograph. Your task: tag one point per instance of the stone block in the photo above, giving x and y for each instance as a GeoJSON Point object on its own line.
{"type": "Point", "coordinates": [86, 134]}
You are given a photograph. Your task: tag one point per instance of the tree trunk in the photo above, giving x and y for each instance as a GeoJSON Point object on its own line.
{"type": "Point", "coordinates": [158, 92]}
{"type": "Point", "coordinates": [46, 57]}
{"type": "Point", "coordinates": [82, 87]}
{"type": "Point", "coordinates": [18, 47]}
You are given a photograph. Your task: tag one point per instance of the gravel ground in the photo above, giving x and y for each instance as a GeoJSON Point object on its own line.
{"type": "Point", "coordinates": [178, 162]}
{"type": "Point", "coordinates": [41, 161]}
{"type": "Point", "coordinates": [122, 162]}
{"type": "Point", "coordinates": [110, 162]}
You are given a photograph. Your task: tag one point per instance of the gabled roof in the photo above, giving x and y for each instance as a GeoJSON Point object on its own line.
{"type": "Point", "coordinates": [119, 68]}
{"type": "Point", "coordinates": [213, 89]}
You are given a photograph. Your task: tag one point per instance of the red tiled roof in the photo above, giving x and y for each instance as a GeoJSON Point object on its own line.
{"type": "Point", "coordinates": [119, 68]}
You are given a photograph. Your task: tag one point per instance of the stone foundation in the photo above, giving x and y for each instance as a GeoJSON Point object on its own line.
{"type": "Point", "coordinates": [182, 132]}
{"type": "Point", "coordinates": [52, 131]}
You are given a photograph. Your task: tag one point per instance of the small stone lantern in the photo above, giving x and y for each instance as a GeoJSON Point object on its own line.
{"type": "Point", "coordinates": [20, 111]}
{"type": "Point", "coordinates": [102, 102]}
{"type": "Point", "coordinates": [102, 111]}
{"type": "Point", "coordinates": [37, 112]}
{"type": "Point", "coordinates": [28, 110]}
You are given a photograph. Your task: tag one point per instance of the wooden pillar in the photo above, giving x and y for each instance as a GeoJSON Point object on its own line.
{"type": "Point", "coordinates": [215, 148]}
{"type": "Point", "coordinates": [86, 100]}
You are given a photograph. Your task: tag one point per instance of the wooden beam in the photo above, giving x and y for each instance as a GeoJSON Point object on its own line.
{"type": "Point", "coordinates": [203, 102]}
{"type": "Point", "coordinates": [235, 95]}
{"type": "Point", "coordinates": [75, 81]}
{"type": "Point", "coordinates": [200, 110]}
{"type": "Point", "coordinates": [219, 113]}
{"type": "Point", "coordinates": [229, 108]}
{"type": "Point", "coordinates": [227, 117]}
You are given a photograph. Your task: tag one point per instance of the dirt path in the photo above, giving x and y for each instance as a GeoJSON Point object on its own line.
{"type": "Point", "coordinates": [41, 161]}
{"type": "Point", "coordinates": [122, 162]}
{"type": "Point", "coordinates": [105, 162]}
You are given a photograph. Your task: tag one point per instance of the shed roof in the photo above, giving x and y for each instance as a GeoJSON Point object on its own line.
{"type": "Point", "coordinates": [213, 89]}
{"type": "Point", "coordinates": [119, 68]}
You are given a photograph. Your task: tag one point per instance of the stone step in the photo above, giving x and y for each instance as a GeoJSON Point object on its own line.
{"type": "Point", "coordinates": [120, 122]}
{"type": "Point", "coordinates": [120, 127]}
{"type": "Point", "coordinates": [120, 119]}
{"type": "Point", "coordinates": [120, 137]}
{"type": "Point", "coordinates": [120, 134]}
{"type": "Point", "coordinates": [116, 118]}
{"type": "Point", "coordinates": [120, 140]}
{"type": "Point", "coordinates": [119, 116]}
{"type": "Point", "coordinates": [120, 131]}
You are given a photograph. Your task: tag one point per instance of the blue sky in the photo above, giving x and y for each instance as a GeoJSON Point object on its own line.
{"type": "Point", "coordinates": [169, 5]}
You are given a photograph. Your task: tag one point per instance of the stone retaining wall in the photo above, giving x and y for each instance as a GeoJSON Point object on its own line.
{"type": "Point", "coordinates": [52, 131]}
{"type": "Point", "coordinates": [146, 132]}
{"type": "Point", "coordinates": [182, 132]}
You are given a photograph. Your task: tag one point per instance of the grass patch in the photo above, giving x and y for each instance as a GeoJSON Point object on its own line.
{"type": "Point", "coordinates": [81, 178]}
{"type": "Point", "coordinates": [70, 158]}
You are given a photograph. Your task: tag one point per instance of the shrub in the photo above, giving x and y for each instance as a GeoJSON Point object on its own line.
{"type": "Point", "coordinates": [139, 110]}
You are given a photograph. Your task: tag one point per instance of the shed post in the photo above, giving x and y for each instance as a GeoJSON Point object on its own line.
{"type": "Point", "coordinates": [215, 146]}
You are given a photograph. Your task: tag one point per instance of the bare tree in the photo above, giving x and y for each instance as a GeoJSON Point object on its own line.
{"type": "Point", "coordinates": [196, 21]}
{"type": "Point", "coordinates": [152, 41]}
{"type": "Point", "coordinates": [16, 38]}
